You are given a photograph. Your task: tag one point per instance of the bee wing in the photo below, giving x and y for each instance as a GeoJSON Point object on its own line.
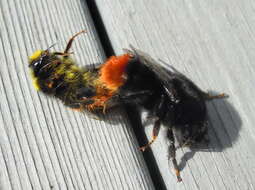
{"type": "Point", "coordinates": [166, 76]}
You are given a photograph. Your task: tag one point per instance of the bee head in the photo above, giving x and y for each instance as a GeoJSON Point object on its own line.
{"type": "Point", "coordinates": [38, 58]}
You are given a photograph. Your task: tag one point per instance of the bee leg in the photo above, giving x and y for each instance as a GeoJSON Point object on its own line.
{"type": "Point", "coordinates": [159, 111]}
{"type": "Point", "coordinates": [69, 44]}
{"type": "Point", "coordinates": [104, 108]}
{"type": "Point", "coordinates": [75, 106]}
{"type": "Point", "coordinates": [80, 105]}
{"type": "Point", "coordinates": [129, 97]}
{"type": "Point", "coordinates": [155, 132]}
{"type": "Point", "coordinates": [207, 96]}
{"type": "Point", "coordinates": [172, 153]}
{"type": "Point", "coordinates": [63, 54]}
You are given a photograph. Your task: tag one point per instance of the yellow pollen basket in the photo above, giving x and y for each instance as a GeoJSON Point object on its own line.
{"type": "Point", "coordinates": [36, 54]}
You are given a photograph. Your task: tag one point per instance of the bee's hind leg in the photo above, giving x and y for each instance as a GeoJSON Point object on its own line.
{"type": "Point", "coordinates": [208, 96]}
{"type": "Point", "coordinates": [159, 112]}
{"type": "Point", "coordinates": [155, 132]}
{"type": "Point", "coordinates": [172, 153]}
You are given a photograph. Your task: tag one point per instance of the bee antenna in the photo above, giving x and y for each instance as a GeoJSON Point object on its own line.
{"type": "Point", "coordinates": [51, 46]}
{"type": "Point", "coordinates": [132, 51]}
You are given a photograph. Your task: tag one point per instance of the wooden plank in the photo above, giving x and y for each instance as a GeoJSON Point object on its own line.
{"type": "Point", "coordinates": [44, 145]}
{"type": "Point", "coordinates": [211, 42]}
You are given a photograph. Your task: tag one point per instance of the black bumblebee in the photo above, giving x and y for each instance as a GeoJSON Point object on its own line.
{"type": "Point", "coordinates": [131, 78]}
{"type": "Point", "coordinates": [170, 97]}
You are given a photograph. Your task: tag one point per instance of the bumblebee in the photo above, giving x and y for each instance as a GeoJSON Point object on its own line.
{"type": "Point", "coordinates": [56, 74]}
{"type": "Point", "coordinates": [170, 98]}
{"type": "Point", "coordinates": [131, 78]}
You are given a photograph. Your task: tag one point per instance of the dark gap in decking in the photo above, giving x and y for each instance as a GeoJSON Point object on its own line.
{"type": "Point", "coordinates": [134, 118]}
{"type": "Point", "coordinates": [100, 28]}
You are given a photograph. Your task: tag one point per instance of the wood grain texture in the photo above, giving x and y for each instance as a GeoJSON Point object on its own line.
{"type": "Point", "coordinates": [44, 145]}
{"type": "Point", "coordinates": [212, 42]}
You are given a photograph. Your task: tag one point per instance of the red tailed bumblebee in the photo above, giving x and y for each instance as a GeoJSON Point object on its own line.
{"type": "Point", "coordinates": [131, 78]}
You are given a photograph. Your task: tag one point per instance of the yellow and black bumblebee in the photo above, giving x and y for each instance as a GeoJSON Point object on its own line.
{"type": "Point", "coordinates": [131, 78]}
{"type": "Point", "coordinates": [55, 73]}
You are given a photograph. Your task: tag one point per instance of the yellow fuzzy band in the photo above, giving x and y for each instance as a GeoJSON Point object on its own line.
{"type": "Point", "coordinates": [36, 54]}
{"type": "Point", "coordinates": [35, 83]}
{"type": "Point", "coordinates": [34, 80]}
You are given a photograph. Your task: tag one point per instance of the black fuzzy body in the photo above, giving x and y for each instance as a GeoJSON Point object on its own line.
{"type": "Point", "coordinates": [175, 100]}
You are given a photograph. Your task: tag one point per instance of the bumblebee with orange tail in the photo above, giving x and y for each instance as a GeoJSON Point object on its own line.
{"type": "Point", "coordinates": [131, 78]}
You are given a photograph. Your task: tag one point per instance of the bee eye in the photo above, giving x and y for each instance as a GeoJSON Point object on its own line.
{"type": "Point", "coordinates": [37, 62]}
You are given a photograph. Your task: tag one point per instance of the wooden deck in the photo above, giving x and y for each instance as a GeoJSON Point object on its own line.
{"type": "Point", "coordinates": [44, 145]}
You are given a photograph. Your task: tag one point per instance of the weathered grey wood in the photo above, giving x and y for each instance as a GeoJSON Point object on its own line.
{"type": "Point", "coordinates": [44, 145]}
{"type": "Point", "coordinates": [212, 42]}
